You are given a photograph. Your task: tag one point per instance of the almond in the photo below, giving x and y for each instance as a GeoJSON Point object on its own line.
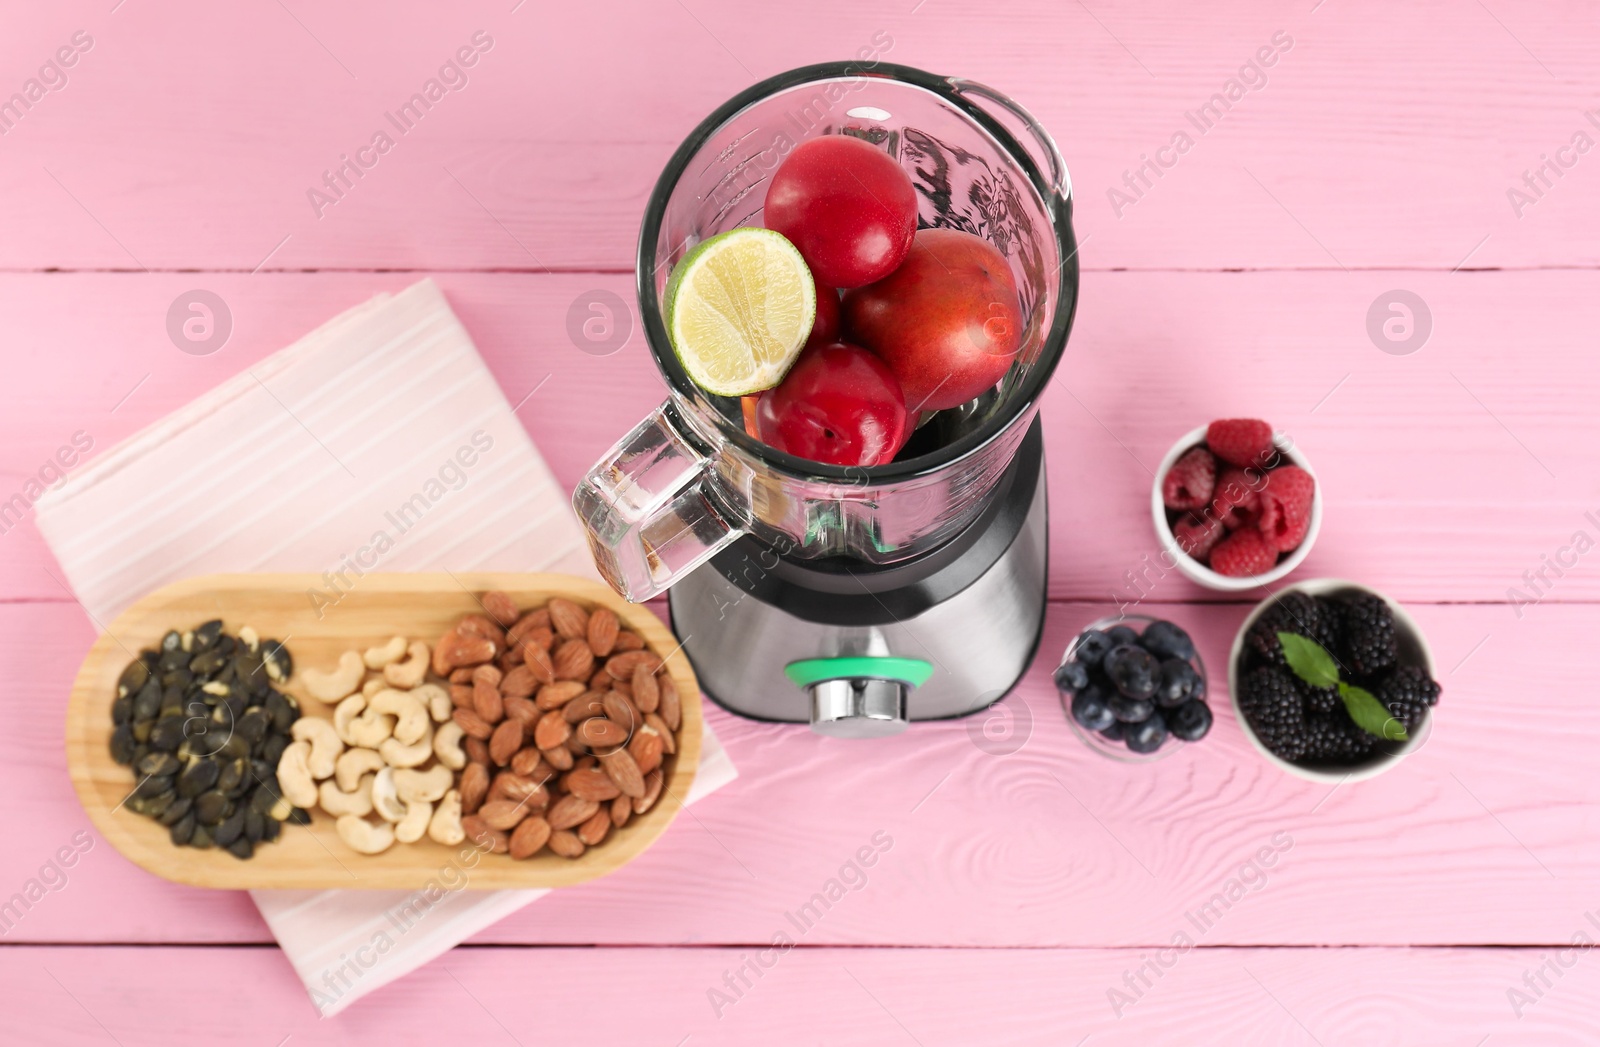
{"type": "Point", "coordinates": [461, 695]}
{"type": "Point", "coordinates": [622, 687]}
{"type": "Point", "coordinates": [478, 625]}
{"type": "Point", "coordinates": [558, 757]}
{"type": "Point", "coordinates": [621, 810]}
{"type": "Point", "coordinates": [620, 710]}
{"type": "Point", "coordinates": [654, 782]}
{"type": "Point", "coordinates": [538, 663]}
{"type": "Point", "coordinates": [590, 783]}
{"type": "Point", "coordinates": [568, 619]}
{"type": "Point", "coordinates": [543, 638]}
{"type": "Point", "coordinates": [473, 724]}
{"type": "Point", "coordinates": [486, 700]}
{"type": "Point", "coordinates": [555, 695]}
{"type": "Point", "coordinates": [517, 789]}
{"type": "Point", "coordinates": [474, 786]}
{"type": "Point", "coordinates": [657, 724]}
{"type": "Point", "coordinates": [593, 831]}
{"type": "Point", "coordinates": [477, 749]}
{"type": "Point", "coordinates": [510, 658]}
{"type": "Point", "coordinates": [518, 683]}
{"type": "Point", "coordinates": [502, 814]}
{"type": "Point", "coordinates": [573, 660]}
{"type": "Point", "coordinates": [506, 742]}
{"type": "Point", "coordinates": [487, 674]}
{"type": "Point", "coordinates": [527, 764]}
{"type": "Point", "coordinates": [522, 711]}
{"type": "Point", "coordinates": [646, 749]}
{"type": "Point", "coordinates": [440, 662]}
{"type": "Point", "coordinates": [601, 680]}
{"type": "Point", "coordinates": [586, 706]}
{"type": "Point", "coordinates": [621, 666]}
{"type": "Point", "coordinates": [603, 630]}
{"type": "Point", "coordinates": [530, 837]}
{"type": "Point", "coordinates": [501, 607]}
{"type": "Point", "coordinates": [623, 770]}
{"type": "Point", "coordinates": [539, 619]}
{"type": "Point", "coordinates": [671, 709]}
{"type": "Point", "coordinates": [566, 844]}
{"type": "Point", "coordinates": [456, 650]}
{"type": "Point", "coordinates": [646, 692]}
{"type": "Point", "coordinates": [600, 733]}
{"type": "Point", "coordinates": [462, 675]}
{"type": "Point", "coordinates": [480, 832]}
{"type": "Point", "coordinates": [570, 811]}
{"type": "Point", "coordinates": [551, 730]}
{"type": "Point", "coordinates": [627, 641]}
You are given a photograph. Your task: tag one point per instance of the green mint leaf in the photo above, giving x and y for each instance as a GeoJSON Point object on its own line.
{"type": "Point", "coordinates": [1309, 660]}
{"type": "Point", "coordinates": [1370, 715]}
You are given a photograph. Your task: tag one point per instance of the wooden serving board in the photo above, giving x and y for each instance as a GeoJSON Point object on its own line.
{"type": "Point", "coordinates": [379, 606]}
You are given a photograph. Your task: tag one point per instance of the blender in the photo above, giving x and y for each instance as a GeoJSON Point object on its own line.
{"type": "Point", "coordinates": [853, 598]}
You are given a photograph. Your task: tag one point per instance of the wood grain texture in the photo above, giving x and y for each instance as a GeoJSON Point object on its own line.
{"type": "Point", "coordinates": [416, 606]}
{"type": "Point", "coordinates": [1434, 464]}
{"type": "Point", "coordinates": [846, 997]}
{"type": "Point", "coordinates": [188, 137]}
{"type": "Point", "coordinates": [1003, 825]}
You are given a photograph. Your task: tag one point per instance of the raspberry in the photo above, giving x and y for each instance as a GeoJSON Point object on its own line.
{"type": "Point", "coordinates": [1242, 554]}
{"type": "Point", "coordinates": [1197, 536]}
{"type": "Point", "coordinates": [1189, 482]}
{"type": "Point", "coordinates": [1366, 632]}
{"type": "Point", "coordinates": [1407, 693]}
{"type": "Point", "coordinates": [1237, 503]}
{"type": "Point", "coordinates": [1286, 507]}
{"type": "Point", "coordinates": [1240, 441]}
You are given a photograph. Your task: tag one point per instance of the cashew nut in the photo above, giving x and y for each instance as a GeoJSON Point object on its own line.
{"type": "Point", "coordinates": [324, 741]}
{"type": "Point", "coordinates": [372, 686]}
{"type": "Point", "coordinates": [411, 716]}
{"type": "Point", "coordinates": [397, 755]}
{"type": "Point", "coordinates": [355, 763]}
{"type": "Point", "coordinates": [339, 802]}
{"type": "Point", "coordinates": [334, 684]}
{"type": "Point", "coordinates": [369, 730]}
{"type": "Point", "coordinates": [445, 827]}
{"type": "Point", "coordinates": [294, 775]}
{"type": "Point", "coordinates": [345, 713]}
{"type": "Point", "coordinates": [428, 786]}
{"type": "Point", "coordinates": [385, 800]}
{"type": "Point", "coordinates": [447, 745]}
{"type": "Point", "coordinates": [362, 836]}
{"type": "Point", "coordinates": [415, 823]}
{"type": "Point", "coordinates": [436, 699]}
{"type": "Point", "coordinates": [407, 674]}
{"type": "Point", "coordinates": [378, 657]}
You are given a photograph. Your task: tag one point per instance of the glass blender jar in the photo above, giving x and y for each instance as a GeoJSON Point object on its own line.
{"type": "Point", "coordinates": [805, 591]}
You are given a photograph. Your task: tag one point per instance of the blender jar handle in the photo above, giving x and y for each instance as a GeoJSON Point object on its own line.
{"type": "Point", "coordinates": [646, 511]}
{"type": "Point", "coordinates": [1060, 179]}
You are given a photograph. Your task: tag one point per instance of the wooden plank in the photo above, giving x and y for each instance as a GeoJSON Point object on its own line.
{"type": "Point", "coordinates": [1449, 472]}
{"type": "Point", "coordinates": [866, 997]}
{"type": "Point", "coordinates": [188, 137]}
{"type": "Point", "coordinates": [1003, 833]}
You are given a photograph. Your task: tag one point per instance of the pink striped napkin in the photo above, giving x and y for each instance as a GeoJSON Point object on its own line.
{"type": "Point", "coordinates": [379, 439]}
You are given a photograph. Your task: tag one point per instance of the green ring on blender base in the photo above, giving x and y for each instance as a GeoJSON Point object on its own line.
{"type": "Point", "coordinates": [808, 671]}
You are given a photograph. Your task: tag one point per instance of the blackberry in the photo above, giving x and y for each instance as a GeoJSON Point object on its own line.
{"type": "Point", "coordinates": [1407, 693]}
{"type": "Point", "coordinates": [1335, 738]}
{"type": "Point", "coordinates": [1293, 612]}
{"type": "Point", "coordinates": [1320, 699]}
{"type": "Point", "coordinates": [1367, 643]}
{"type": "Point", "coordinates": [1271, 700]}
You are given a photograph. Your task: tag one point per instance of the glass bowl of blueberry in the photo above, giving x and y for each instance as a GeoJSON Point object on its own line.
{"type": "Point", "coordinates": [1133, 687]}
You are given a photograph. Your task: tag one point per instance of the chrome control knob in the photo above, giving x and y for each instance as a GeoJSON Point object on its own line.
{"type": "Point", "coordinates": [858, 708]}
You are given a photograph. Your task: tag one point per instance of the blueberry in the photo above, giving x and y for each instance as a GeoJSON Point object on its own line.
{"type": "Point", "coordinates": [1178, 684]}
{"type": "Point", "coordinates": [1092, 646]}
{"type": "Point", "coordinates": [1134, 670]}
{"type": "Point", "coordinates": [1190, 721]}
{"type": "Point", "coordinates": [1130, 710]}
{"type": "Point", "coordinates": [1089, 708]}
{"type": "Point", "coordinates": [1121, 634]}
{"type": "Point", "coordinates": [1112, 733]}
{"type": "Point", "coordinates": [1146, 737]}
{"type": "Point", "coordinates": [1165, 640]}
{"type": "Point", "coordinates": [1071, 677]}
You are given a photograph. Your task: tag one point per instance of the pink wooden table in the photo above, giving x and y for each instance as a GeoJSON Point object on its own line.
{"type": "Point", "coordinates": [1392, 147]}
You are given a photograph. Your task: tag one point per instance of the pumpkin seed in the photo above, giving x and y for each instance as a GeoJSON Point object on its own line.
{"type": "Point", "coordinates": [132, 678]}
{"type": "Point", "coordinates": [159, 763]}
{"type": "Point", "coordinates": [180, 806]}
{"type": "Point", "coordinates": [122, 745]}
{"type": "Point", "coordinates": [230, 829]}
{"type": "Point", "coordinates": [202, 838]}
{"type": "Point", "coordinates": [198, 777]}
{"type": "Point", "coordinates": [211, 807]}
{"type": "Point", "coordinates": [183, 829]}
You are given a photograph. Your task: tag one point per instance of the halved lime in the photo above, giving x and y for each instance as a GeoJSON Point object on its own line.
{"type": "Point", "coordinates": [739, 307]}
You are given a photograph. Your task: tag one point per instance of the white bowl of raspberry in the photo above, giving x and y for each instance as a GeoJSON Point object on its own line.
{"type": "Point", "coordinates": [1375, 648]}
{"type": "Point", "coordinates": [1234, 528]}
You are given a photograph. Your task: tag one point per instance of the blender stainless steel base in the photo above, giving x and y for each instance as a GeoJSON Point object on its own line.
{"type": "Point", "coordinates": [848, 647]}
